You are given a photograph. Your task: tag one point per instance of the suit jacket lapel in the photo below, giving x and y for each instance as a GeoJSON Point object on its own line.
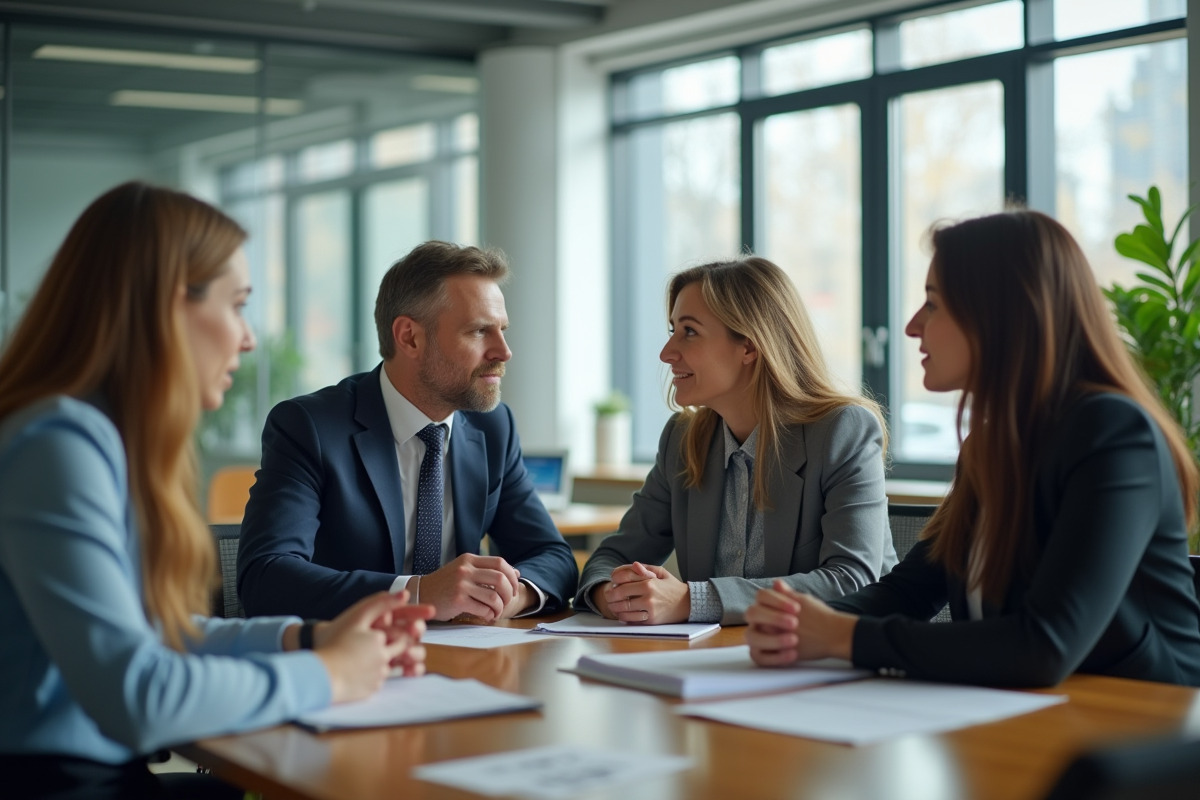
{"type": "Point", "coordinates": [469, 481]}
{"type": "Point", "coordinates": [704, 512]}
{"type": "Point", "coordinates": [377, 449]}
{"type": "Point", "coordinates": [785, 489]}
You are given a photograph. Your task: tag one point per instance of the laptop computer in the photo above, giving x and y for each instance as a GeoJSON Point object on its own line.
{"type": "Point", "coordinates": [548, 471]}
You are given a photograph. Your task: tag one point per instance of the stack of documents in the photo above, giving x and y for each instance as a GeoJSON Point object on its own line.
{"type": "Point", "coordinates": [710, 672]}
{"type": "Point", "coordinates": [411, 701]}
{"type": "Point", "coordinates": [588, 624]}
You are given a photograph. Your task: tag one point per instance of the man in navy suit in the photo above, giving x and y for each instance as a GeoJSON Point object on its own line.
{"type": "Point", "coordinates": [333, 515]}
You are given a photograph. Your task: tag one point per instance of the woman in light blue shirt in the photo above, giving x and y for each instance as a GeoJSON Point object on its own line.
{"type": "Point", "coordinates": [106, 566]}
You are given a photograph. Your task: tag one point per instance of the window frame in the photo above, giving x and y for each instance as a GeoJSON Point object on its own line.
{"type": "Point", "coordinates": [1026, 77]}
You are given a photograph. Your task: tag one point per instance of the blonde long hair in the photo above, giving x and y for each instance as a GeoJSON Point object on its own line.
{"type": "Point", "coordinates": [1040, 337]}
{"type": "Point", "coordinates": [103, 323]}
{"type": "Point", "coordinates": [790, 383]}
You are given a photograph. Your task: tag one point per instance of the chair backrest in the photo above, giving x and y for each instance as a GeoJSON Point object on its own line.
{"type": "Point", "coordinates": [907, 521]}
{"type": "Point", "coordinates": [1159, 769]}
{"type": "Point", "coordinates": [227, 605]}
{"type": "Point", "coordinates": [228, 492]}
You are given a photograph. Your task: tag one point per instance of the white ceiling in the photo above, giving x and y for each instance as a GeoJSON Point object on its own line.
{"type": "Point", "coordinates": [447, 27]}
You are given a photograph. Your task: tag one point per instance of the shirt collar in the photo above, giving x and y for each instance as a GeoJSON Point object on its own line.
{"type": "Point", "coordinates": [405, 418]}
{"type": "Point", "coordinates": [747, 447]}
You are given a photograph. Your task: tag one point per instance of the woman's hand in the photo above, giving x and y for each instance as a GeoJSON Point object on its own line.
{"type": "Point", "coordinates": [643, 594]}
{"type": "Point", "coordinates": [785, 626]}
{"type": "Point", "coordinates": [362, 645]}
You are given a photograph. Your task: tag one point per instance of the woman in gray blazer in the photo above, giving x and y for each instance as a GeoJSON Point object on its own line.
{"type": "Point", "coordinates": [767, 470]}
{"type": "Point", "coordinates": [1062, 546]}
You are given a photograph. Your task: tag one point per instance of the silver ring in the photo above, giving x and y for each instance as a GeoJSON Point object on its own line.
{"type": "Point", "coordinates": [645, 616]}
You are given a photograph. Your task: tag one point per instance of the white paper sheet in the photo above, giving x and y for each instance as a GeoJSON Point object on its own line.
{"type": "Point", "coordinates": [873, 710]}
{"type": "Point", "coordinates": [588, 624]}
{"type": "Point", "coordinates": [409, 701]}
{"type": "Point", "coordinates": [709, 672]}
{"type": "Point", "coordinates": [548, 773]}
{"type": "Point", "coordinates": [481, 637]}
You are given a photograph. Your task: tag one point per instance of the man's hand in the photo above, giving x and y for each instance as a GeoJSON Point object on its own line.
{"type": "Point", "coordinates": [485, 587]}
{"type": "Point", "coordinates": [643, 594]}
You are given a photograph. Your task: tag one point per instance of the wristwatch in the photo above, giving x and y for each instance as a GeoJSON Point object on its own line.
{"type": "Point", "coordinates": [306, 634]}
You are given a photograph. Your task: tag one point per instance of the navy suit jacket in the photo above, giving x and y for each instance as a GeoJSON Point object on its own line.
{"type": "Point", "coordinates": [324, 526]}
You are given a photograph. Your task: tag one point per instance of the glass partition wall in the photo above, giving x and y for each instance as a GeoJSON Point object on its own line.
{"type": "Point", "coordinates": [336, 161]}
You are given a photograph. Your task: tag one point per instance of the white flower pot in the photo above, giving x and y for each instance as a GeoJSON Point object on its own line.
{"type": "Point", "coordinates": [614, 439]}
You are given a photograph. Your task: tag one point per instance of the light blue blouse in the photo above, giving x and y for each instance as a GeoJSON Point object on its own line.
{"type": "Point", "coordinates": [82, 671]}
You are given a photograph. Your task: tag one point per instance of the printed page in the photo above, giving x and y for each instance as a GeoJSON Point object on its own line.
{"type": "Point", "coordinates": [481, 637]}
{"type": "Point", "coordinates": [549, 773]}
{"type": "Point", "coordinates": [869, 711]}
{"type": "Point", "coordinates": [409, 701]}
{"type": "Point", "coordinates": [588, 624]}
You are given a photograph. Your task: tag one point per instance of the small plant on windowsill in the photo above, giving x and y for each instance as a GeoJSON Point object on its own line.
{"type": "Point", "coordinates": [1160, 314]}
{"type": "Point", "coordinates": [614, 437]}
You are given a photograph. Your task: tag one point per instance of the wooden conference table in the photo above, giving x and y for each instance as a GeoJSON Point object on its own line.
{"type": "Point", "coordinates": [1013, 759]}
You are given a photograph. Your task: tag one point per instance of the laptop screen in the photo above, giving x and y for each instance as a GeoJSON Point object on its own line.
{"type": "Point", "coordinates": [546, 472]}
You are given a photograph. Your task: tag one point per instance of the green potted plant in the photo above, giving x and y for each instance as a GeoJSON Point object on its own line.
{"type": "Point", "coordinates": [614, 430]}
{"type": "Point", "coordinates": [1160, 313]}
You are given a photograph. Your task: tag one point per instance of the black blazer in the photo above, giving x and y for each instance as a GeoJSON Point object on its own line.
{"type": "Point", "coordinates": [324, 526]}
{"type": "Point", "coordinates": [1112, 591]}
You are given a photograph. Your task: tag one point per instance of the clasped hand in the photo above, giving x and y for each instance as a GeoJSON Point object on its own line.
{"type": "Point", "coordinates": [367, 641]}
{"type": "Point", "coordinates": [643, 594]}
{"type": "Point", "coordinates": [786, 626]}
{"type": "Point", "coordinates": [486, 588]}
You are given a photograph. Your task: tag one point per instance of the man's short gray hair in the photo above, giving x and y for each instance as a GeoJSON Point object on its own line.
{"type": "Point", "coordinates": [415, 286]}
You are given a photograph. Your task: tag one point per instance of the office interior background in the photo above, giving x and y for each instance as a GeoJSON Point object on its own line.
{"type": "Point", "coordinates": [603, 145]}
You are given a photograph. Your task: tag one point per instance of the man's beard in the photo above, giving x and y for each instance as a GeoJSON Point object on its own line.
{"type": "Point", "coordinates": [441, 380]}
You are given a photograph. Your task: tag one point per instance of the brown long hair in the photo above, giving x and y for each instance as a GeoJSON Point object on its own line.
{"type": "Point", "coordinates": [104, 322]}
{"type": "Point", "coordinates": [1040, 337]}
{"type": "Point", "coordinates": [790, 383]}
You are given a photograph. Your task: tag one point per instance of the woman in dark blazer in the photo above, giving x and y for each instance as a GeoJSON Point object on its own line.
{"type": "Point", "coordinates": [1062, 545]}
{"type": "Point", "coordinates": [754, 390]}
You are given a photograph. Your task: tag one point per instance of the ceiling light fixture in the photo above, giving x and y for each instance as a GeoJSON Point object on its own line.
{"type": "Point", "coordinates": [187, 101]}
{"type": "Point", "coordinates": [457, 84]}
{"type": "Point", "coordinates": [147, 58]}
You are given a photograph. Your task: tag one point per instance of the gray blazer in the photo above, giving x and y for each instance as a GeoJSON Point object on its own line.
{"type": "Point", "coordinates": [827, 531]}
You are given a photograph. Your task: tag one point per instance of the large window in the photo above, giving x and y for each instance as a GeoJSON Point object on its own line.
{"type": "Point", "coordinates": [833, 151]}
{"type": "Point", "coordinates": [338, 214]}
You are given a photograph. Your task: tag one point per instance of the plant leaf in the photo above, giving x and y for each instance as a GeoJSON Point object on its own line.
{"type": "Point", "coordinates": [1154, 280]}
{"type": "Point", "coordinates": [1133, 247]}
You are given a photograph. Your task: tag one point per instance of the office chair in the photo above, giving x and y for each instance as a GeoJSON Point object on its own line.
{"type": "Point", "coordinates": [228, 492]}
{"type": "Point", "coordinates": [1162, 769]}
{"type": "Point", "coordinates": [907, 521]}
{"type": "Point", "coordinates": [227, 604]}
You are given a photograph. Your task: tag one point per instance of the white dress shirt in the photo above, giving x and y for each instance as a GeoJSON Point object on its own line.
{"type": "Point", "coordinates": [406, 421]}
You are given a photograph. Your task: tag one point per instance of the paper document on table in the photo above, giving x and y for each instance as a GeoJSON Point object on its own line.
{"type": "Point", "coordinates": [709, 672]}
{"type": "Point", "coordinates": [410, 701]}
{"type": "Point", "coordinates": [587, 624]}
{"type": "Point", "coordinates": [478, 636]}
{"type": "Point", "coordinates": [872, 710]}
{"type": "Point", "coordinates": [554, 772]}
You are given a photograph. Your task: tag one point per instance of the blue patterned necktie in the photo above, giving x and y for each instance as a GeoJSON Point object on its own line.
{"type": "Point", "coordinates": [427, 551]}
